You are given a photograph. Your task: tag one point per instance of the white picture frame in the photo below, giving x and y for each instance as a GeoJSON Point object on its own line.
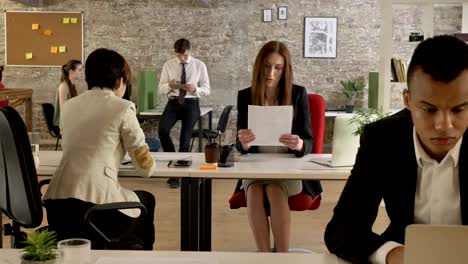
{"type": "Point", "coordinates": [267, 15]}
{"type": "Point", "coordinates": [320, 37]}
{"type": "Point", "coordinates": [282, 13]}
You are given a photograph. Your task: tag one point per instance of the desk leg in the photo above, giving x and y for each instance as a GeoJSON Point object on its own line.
{"type": "Point", "coordinates": [28, 113]}
{"type": "Point", "coordinates": [210, 120]}
{"type": "Point", "coordinates": [189, 217]}
{"type": "Point", "coordinates": [205, 215]}
{"type": "Point", "coordinates": [200, 134]}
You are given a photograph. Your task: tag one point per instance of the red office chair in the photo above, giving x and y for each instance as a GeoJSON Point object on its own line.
{"type": "Point", "coordinates": [309, 198]}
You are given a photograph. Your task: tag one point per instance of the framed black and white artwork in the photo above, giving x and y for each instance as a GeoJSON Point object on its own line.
{"type": "Point", "coordinates": [320, 35]}
{"type": "Point", "coordinates": [267, 15]}
{"type": "Point", "coordinates": [282, 13]}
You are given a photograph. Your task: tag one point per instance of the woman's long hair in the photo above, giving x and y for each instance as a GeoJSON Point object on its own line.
{"type": "Point", "coordinates": [258, 77]}
{"type": "Point", "coordinates": [71, 65]}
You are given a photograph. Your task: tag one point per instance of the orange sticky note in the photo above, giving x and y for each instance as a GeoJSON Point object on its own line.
{"type": "Point", "coordinates": [29, 55]}
{"type": "Point", "coordinates": [66, 20]}
{"type": "Point", "coordinates": [74, 20]}
{"type": "Point", "coordinates": [47, 32]}
{"type": "Point", "coordinates": [208, 167]}
{"type": "Point", "coordinates": [35, 26]}
{"type": "Point", "coordinates": [53, 49]}
{"type": "Point", "coordinates": [62, 49]}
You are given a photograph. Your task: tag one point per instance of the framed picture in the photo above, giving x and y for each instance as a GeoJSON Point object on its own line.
{"type": "Point", "coordinates": [267, 15]}
{"type": "Point", "coordinates": [320, 35]}
{"type": "Point", "coordinates": [282, 13]}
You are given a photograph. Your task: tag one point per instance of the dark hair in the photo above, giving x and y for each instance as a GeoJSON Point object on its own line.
{"type": "Point", "coordinates": [258, 76]}
{"type": "Point", "coordinates": [181, 45]}
{"type": "Point", "coordinates": [443, 58]}
{"type": "Point", "coordinates": [66, 68]}
{"type": "Point", "coordinates": [128, 91]}
{"type": "Point", "coordinates": [104, 68]}
{"type": "Point", "coordinates": [1, 72]}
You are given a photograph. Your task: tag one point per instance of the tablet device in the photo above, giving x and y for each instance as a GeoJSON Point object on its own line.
{"type": "Point", "coordinates": [179, 163]}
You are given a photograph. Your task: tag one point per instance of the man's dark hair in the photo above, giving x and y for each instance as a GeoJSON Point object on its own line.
{"type": "Point", "coordinates": [443, 58]}
{"type": "Point", "coordinates": [181, 45]}
{"type": "Point", "coordinates": [103, 68]}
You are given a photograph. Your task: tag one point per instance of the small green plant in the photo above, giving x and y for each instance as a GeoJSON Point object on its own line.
{"type": "Point", "coordinates": [351, 89]}
{"type": "Point", "coordinates": [363, 117]}
{"type": "Point", "coordinates": [40, 246]}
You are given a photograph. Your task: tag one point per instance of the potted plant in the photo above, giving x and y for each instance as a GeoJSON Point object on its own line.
{"type": "Point", "coordinates": [363, 117]}
{"type": "Point", "coordinates": [40, 248]}
{"type": "Point", "coordinates": [351, 89]}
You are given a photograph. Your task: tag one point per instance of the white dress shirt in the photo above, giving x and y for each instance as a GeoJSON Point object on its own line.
{"type": "Point", "coordinates": [437, 198]}
{"type": "Point", "coordinates": [196, 74]}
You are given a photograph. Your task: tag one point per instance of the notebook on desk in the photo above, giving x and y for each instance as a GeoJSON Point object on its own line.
{"type": "Point", "coordinates": [431, 244]}
{"type": "Point", "coordinates": [344, 144]}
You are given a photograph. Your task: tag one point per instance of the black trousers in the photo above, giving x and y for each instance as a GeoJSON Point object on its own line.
{"type": "Point", "coordinates": [188, 112]}
{"type": "Point", "coordinates": [66, 217]}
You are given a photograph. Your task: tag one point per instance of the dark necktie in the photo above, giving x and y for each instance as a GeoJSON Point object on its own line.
{"type": "Point", "coordinates": [183, 80]}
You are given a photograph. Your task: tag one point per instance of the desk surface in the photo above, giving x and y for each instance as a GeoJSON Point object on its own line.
{"type": "Point", "coordinates": [11, 256]}
{"type": "Point", "coordinates": [251, 166]}
{"type": "Point", "coordinates": [156, 112]}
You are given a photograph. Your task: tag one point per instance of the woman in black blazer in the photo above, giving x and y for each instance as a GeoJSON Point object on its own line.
{"type": "Point", "coordinates": [272, 85]}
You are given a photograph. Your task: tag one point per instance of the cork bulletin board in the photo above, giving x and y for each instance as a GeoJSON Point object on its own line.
{"type": "Point", "coordinates": [43, 38]}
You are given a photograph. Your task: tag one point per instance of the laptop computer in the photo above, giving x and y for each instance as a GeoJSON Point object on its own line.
{"type": "Point", "coordinates": [431, 244]}
{"type": "Point", "coordinates": [344, 144]}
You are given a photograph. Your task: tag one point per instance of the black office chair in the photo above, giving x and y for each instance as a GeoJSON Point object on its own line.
{"type": "Point", "coordinates": [212, 134]}
{"type": "Point", "coordinates": [48, 111]}
{"type": "Point", "coordinates": [20, 197]}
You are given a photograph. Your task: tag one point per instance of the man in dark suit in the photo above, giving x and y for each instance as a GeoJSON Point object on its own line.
{"type": "Point", "coordinates": [415, 160]}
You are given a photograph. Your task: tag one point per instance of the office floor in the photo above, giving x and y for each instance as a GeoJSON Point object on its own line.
{"type": "Point", "coordinates": [230, 227]}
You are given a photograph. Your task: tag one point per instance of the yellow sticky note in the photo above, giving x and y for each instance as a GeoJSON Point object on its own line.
{"type": "Point", "coordinates": [61, 49]}
{"type": "Point", "coordinates": [66, 20]}
{"type": "Point", "coordinates": [47, 32]}
{"type": "Point", "coordinates": [74, 20]}
{"type": "Point", "coordinates": [53, 49]}
{"type": "Point", "coordinates": [28, 55]}
{"type": "Point", "coordinates": [35, 26]}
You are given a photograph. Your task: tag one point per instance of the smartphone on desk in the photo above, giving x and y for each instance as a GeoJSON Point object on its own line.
{"type": "Point", "coordinates": [179, 163]}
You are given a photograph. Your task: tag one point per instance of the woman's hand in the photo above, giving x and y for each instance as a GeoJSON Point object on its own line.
{"type": "Point", "coordinates": [245, 136]}
{"type": "Point", "coordinates": [293, 142]}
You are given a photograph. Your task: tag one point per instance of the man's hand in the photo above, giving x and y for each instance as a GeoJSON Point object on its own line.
{"type": "Point", "coordinates": [172, 83]}
{"type": "Point", "coordinates": [395, 256]}
{"type": "Point", "coordinates": [245, 136]}
{"type": "Point", "coordinates": [189, 88]}
{"type": "Point", "coordinates": [293, 142]}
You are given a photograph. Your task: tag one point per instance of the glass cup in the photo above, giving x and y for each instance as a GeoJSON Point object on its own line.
{"type": "Point", "coordinates": [74, 251]}
{"type": "Point", "coordinates": [211, 154]}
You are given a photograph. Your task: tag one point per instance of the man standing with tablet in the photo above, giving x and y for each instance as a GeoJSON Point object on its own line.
{"type": "Point", "coordinates": [184, 79]}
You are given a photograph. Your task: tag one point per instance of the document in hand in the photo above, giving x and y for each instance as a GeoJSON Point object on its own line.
{"type": "Point", "coordinates": [268, 123]}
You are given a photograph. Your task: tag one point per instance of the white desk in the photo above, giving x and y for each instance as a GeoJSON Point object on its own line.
{"type": "Point", "coordinates": [155, 114]}
{"type": "Point", "coordinates": [12, 256]}
{"type": "Point", "coordinates": [195, 190]}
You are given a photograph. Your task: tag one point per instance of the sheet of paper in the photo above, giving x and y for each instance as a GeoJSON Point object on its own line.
{"type": "Point", "coordinates": [268, 123]}
{"type": "Point", "coordinates": [53, 49]}
{"type": "Point", "coordinates": [66, 20]}
{"type": "Point", "coordinates": [35, 26]}
{"type": "Point", "coordinates": [74, 20]}
{"type": "Point", "coordinates": [159, 260]}
{"type": "Point", "coordinates": [29, 55]}
{"type": "Point", "coordinates": [62, 49]}
{"type": "Point", "coordinates": [47, 32]}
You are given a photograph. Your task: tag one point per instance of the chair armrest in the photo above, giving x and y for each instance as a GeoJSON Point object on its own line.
{"type": "Point", "coordinates": [111, 207]}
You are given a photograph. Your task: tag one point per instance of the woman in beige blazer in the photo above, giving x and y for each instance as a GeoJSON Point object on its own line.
{"type": "Point", "coordinates": [98, 127]}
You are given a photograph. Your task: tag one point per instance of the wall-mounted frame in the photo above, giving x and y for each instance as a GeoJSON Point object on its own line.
{"type": "Point", "coordinates": [320, 37]}
{"type": "Point", "coordinates": [43, 38]}
{"type": "Point", "coordinates": [267, 15]}
{"type": "Point", "coordinates": [283, 13]}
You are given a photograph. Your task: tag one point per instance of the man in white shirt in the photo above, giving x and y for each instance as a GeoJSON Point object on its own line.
{"type": "Point", "coordinates": [415, 160]}
{"type": "Point", "coordinates": [184, 79]}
